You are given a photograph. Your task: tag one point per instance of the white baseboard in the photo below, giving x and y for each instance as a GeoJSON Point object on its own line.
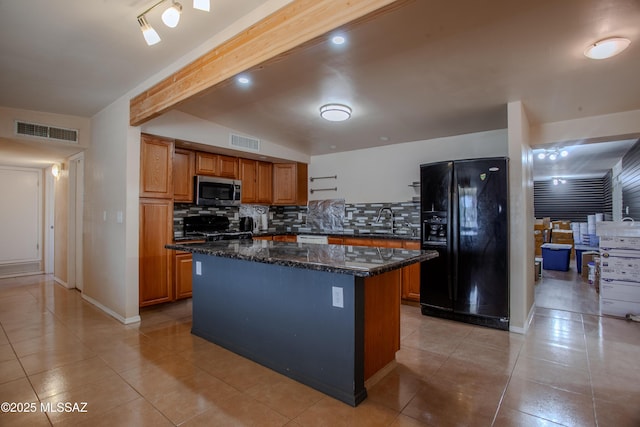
{"type": "Point", "coordinates": [524, 330]}
{"type": "Point", "coordinates": [61, 282]}
{"type": "Point", "coordinates": [125, 320]}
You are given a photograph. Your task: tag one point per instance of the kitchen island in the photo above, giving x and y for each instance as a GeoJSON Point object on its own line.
{"type": "Point", "coordinates": [325, 315]}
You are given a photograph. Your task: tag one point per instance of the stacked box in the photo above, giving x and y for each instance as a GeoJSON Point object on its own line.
{"type": "Point", "coordinates": [561, 225]}
{"type": "Point", "coordinates": [564, 237]}
{"type": "Point", "coordinates": [619, 270]}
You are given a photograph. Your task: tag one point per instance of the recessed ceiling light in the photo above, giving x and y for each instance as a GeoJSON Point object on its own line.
{"type": "Point", "coordinates": [243, 80]}
{"type": "Point", "coordinates": [338, 39]}
{"type": "Point", "coordinates": [335, 112]}
{"type": "Point", "coordinates": [606, 48]}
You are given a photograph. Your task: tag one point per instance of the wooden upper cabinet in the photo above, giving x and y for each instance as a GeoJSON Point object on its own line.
{"type": "Point", "coordinates": [264, 183]}
{"type": "Point", "coordinates": [156, 167]}
{"type": "Point", "coordinates": [206, 164]}
{"type": "Point", "coordinates": [256, 177]}
{"type": "Point", "coordinates": [216, 165]}
{"type": "Point", "coordinates": [228, 167]}
{"type": "Point", "coordinates": [290, 184]}
{"type": "Point", "coordinates": [249, 178]}
{"type": "Point", "coordinates": [183, 173]}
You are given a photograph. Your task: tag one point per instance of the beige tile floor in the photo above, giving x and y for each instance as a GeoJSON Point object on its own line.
{"type": "Point", "coordinates": [571, 368]}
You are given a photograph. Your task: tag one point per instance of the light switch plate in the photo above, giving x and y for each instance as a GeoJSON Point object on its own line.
{"type": "Point", "coordinates": [337, 296]}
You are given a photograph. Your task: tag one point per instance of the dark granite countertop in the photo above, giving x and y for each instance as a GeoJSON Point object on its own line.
{"type": "Point", "coordinates": [389, 236]}
{"type": "Point", "coordinates": [353, 260]}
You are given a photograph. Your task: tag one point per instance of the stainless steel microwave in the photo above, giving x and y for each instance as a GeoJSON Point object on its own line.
{"type": "Point", "coordinates": [212, 191]}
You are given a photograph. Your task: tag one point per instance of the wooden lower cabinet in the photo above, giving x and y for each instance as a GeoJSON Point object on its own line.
{"type": "Point", "coordinates": [285, 238]}
{"type": "Point", "coordinates": [411, 276]}
{"type": "Point", "coordinates": [155, 282]}
{"type": "Point", "coordinates": [182, 278]}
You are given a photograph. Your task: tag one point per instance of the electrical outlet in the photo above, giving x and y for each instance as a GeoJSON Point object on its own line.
{"type": "Point", "coordinates": [299, 216]}
{"type": "Point", "coordinates": [338, 300]}
{"type": "Point", "coordinates": [198, 268]}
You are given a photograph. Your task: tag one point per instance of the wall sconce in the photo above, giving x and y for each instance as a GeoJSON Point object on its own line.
{"type": "Point", "coordinates": [170, 17]}
{"type": "Point", "coordinates": [55, 170]}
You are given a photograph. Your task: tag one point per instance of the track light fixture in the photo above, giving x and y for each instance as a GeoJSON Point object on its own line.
{"type": "Point", "coordinates": [552, 154]}
{"type": "Point", "coordinates": [170, 17]}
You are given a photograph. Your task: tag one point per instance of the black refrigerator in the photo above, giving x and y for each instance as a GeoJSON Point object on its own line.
{"type": "Point", "coordinates": [465, 217]}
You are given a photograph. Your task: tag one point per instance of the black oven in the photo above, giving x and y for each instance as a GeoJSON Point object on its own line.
{"type": "Point", "coordinates": [212, 191]}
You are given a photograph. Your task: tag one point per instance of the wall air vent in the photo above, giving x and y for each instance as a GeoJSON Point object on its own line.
{"type": "Point", "coordinates": [244, 143]}
{"type": "Point", "coordinates": [48, 132]}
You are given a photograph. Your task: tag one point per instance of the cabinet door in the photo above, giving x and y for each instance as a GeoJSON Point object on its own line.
{"type": "Point", "coordinates": [248, 176]}
{"type": "Point", "coordinates": [206, 164]}
{"type": "Point", "coordinates": [264, 193]}
{"type": "Point", "coordinates": [155, 269]}
{"type": "Point", "coordinates": [183, 275]}
{"type": "Point", "coordinates": [228, 167]}
{"type": "Point", "coordinates": [411, 276]}
{"type": "Point", "coordinates": [289, 184]}
{"type": "Point", "coordinates": [156, 167]}
{"type": "Point", "coordinates": [183, 173]}
{"type": "Point", "coordinates": [291, 238]}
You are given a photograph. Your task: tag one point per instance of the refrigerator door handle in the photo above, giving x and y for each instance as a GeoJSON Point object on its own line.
{"type": "Point", "coordinates": [455, 244]}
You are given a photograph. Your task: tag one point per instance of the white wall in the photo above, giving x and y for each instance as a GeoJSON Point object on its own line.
{"type": "Point", "coordinates": [9, 115]}
{"type": "Point", "coordinates": [623, 125]}
{"type": "Point", "coordinates": [106, 188]}
{"type": "Point", "coordinates": [521, 219]}
{"type": "Point", "coordinates": [182, 126]}
{"type": "Point", "coordinates": [383, 174]}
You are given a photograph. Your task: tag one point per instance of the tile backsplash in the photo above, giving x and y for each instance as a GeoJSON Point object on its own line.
{"type": "Point", "coordinates": [359, 218]}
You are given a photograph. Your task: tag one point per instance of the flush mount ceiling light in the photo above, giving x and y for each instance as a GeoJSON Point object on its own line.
{"type": "Point", "coordinates": [606, 48]}
{"type": "Point", "coordinates": [335, 112]}
{"type": "Point", "coordinates": [170, 17]}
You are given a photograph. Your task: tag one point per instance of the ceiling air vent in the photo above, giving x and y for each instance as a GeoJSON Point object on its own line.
{"type": "Point", "coordinates": [244, 143]}
{"type": "Point", "coordinates": [48, 132]}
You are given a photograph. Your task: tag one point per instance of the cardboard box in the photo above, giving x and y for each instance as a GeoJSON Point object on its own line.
{"type": "Point", "coordinates": [561, 225]}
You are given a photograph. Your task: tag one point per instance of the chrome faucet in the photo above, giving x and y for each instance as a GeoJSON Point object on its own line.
{"type": "Point", "coordinates": [393, 218]}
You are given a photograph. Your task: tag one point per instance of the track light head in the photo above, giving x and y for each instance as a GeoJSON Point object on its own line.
{"type": "Point", "coordinates": [150, 35]}
{"type": "Point", "coordinates": [171, 16]}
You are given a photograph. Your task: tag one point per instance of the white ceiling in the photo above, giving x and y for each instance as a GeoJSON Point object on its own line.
{"type": "Point", "coordinates": [426, 70]}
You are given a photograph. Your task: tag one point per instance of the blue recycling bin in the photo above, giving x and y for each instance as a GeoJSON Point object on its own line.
{"type": "Point", "coordinates": [556, 256]}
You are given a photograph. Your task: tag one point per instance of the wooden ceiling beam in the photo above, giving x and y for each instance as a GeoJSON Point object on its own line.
{"type": "Point", "coordinates": [295, 24]}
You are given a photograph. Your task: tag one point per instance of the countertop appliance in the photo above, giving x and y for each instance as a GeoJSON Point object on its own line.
{"type": "Point", "coordinates": [212, 191]}
{"type": "Point", "coordinates": [464, 214]}
{"type": "Point", "coordinates": [212, 228]}
{"type": "Point", "coordinates": [246, 223]}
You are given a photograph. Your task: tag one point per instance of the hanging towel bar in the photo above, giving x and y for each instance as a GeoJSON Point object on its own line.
{"type": "Point", "coordinates": [323, 189]}
{"type": "Point", "coordinates": [323, 177]}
